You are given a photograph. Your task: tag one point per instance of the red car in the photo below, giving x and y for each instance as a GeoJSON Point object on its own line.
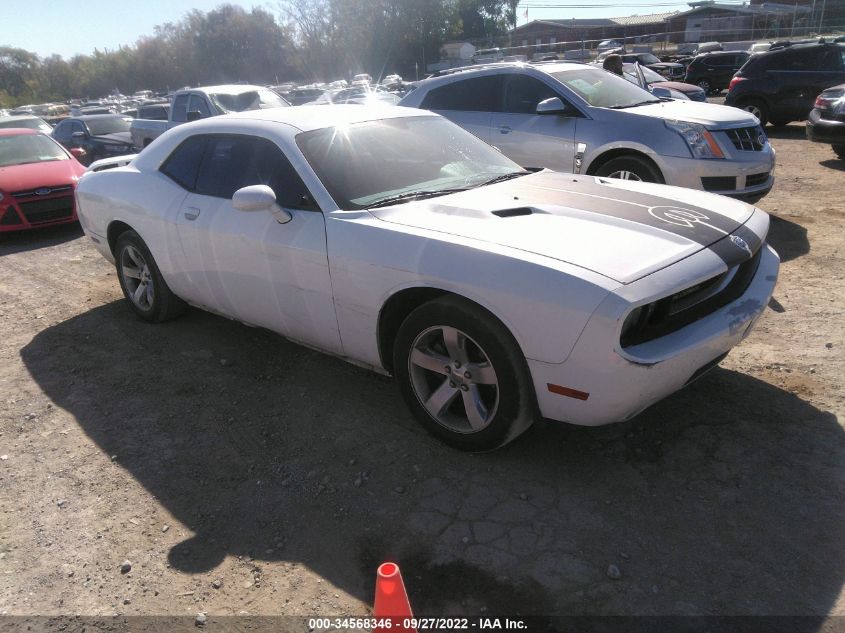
{"type": "Point", "coordinates": [37, 180]}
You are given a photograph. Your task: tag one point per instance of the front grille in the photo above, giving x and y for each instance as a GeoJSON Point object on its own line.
{"type": "Point", "coordinates": [49, 191]}
{"type": "Point", "coordinates": [49, 210]}
{"type": "Point", "coordinates": [756, 179]}
{"type": "Point", "coordinates": [677, 311]}
{"type": "Point", "coordinates": [747, 139]}
{"type": "Point", "coordinates": [718, 183]}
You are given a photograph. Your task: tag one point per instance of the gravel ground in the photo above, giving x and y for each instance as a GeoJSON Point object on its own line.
{"type": "Point", "coordinates": [203, 466]}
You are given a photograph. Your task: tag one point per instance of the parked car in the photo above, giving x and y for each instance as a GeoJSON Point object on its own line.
{"type": "Point", "coordinates": [707, 47]}
{"type": "Point", "coordinates": [581, 119]}
{"type": "Point", "coordinates": [657, 84]}
{"type": "Point", "coordinates": [100, 135]}
{"type": "Point", "coordinates": [28, 121]}
{"type": "Point", "coordinates": [609, 45]}
{"type": "Point", "coordinates": [192, 104]}
{"type": "Point", "coordinates": [826, 123]}
{"type": "Point", "coordinates": [712, 72]}
{"type": "Point", "coordinates": [759, 47]}
{"type": "Point", "coordinates": [488, 56]}
{"type": "Point", "coordinates": [37, 180]}
{"type": "Point", "coordinates": [299, 96]}
{"type": "Point", "coordinates": [780, 86]}
{"type": "Point", "coordinates": [154, 111]}
{"type": "Point", "coordinates": [669, 70]}
{"type": "Point", "coordinates": [361, 233]}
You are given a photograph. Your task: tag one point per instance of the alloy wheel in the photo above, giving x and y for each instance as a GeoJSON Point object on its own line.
{"type": "Point", "coordinates": [137, 278]}
{"type": "Point", "coordinates": [454, 379]}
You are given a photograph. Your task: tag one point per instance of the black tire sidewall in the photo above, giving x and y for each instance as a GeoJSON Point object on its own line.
{"type": "Point", "coordinates": [760, 105]}
{"type": "Point", "coordinates": [516, 393]}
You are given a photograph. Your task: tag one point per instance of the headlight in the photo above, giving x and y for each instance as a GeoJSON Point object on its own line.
{"type": "Point", "coordinates": [699, 140]}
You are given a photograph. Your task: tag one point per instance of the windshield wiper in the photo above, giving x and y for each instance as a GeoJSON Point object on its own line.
{"type": "Point", "coordinates": [413, 195]}
{"type": "Point", "coordinates": [634, 105]}
{"type": "Point", "coordinates": [503, 177]}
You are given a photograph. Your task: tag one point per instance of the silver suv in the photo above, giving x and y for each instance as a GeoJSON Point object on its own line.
{"type": "Point", "coordinates": [577, 118]}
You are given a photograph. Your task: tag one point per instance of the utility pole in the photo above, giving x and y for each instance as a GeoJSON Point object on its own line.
{"type": "Point", "coordinates": [821, 16]}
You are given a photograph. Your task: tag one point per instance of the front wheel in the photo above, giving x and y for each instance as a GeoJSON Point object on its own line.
{"type": "Point", "coordinates": [839, 149]}
{"type": "Point", "coordinates": [462, 375]}
{"type": "Point", "coordinates": [704, 84]}
{"type": "Point", "coordinates": [631, 168]}
{"type": "Point", "coordinates": [758, 109]}
{"type": "Point", "coordinates": [141, 280]}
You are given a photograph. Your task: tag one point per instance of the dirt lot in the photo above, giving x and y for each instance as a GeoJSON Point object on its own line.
{"type": "Point", "coordinates": [241, 474]}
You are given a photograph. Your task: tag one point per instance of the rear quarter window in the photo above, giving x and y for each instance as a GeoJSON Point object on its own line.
{"type": "Point", "coordinates": [476, 94]}
{"type": "Point", "coordinates": [182, 166]}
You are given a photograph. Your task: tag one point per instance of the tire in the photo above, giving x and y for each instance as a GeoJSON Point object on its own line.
{"type": "Point", "coordinates": [758, 108]}
{"type": "Point", "coordinates": [839, 150]}
{"type": "Point", "coordinates": [631, 168]}
{"type": "Point", "coordinates": [141, 281]}
{"type": "Point", "coordinates": [473, 392]}
{"type": "Point", "coordinates": [705, 85]}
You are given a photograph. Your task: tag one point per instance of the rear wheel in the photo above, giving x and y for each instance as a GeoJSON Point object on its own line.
{"type": "Point", "coordinates": [705, 85]}
{"type": "Point", "coordinates": [141, 281]}
{"type": "Point", "coordinates": [631, 168]}
{"type": "Point", "coordinates": [758, 108]}
{"type": "Point", "coordinates": [839, 149]}
{"type": "Point", "coordinates": [463, 376]}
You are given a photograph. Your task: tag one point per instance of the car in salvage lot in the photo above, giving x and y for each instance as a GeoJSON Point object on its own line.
{"type": "Point", "coordinates": [37, 180]}
{"type": "Point", "coordinates": [396, 240]}
{"type": "Point", "coordinates": [826, 123]}
{"type": "Point", "coordinates": [581, 119]}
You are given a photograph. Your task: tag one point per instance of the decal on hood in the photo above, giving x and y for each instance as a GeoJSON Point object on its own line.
{"type": "Point", "coordinates": [700, 225]}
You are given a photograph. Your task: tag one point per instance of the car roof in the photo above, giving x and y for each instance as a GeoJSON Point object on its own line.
{"type": "Point", "coordinates": [18, 131]}
{"type": "Point", "coordinates": [93, 117]}
{"type": "Point", "coordinates": [315, 117]}
{"type": "Point", "coordinates": [225, 88]}
{"type": "Point", "coordinates": [19, 117]}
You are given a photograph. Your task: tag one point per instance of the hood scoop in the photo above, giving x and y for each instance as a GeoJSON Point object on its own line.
{"type": "Point", "coordinates": [513, 213]}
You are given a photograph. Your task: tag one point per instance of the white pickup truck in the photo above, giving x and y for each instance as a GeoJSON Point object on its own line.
{"type": "Point", "coordinates": [192, 104]}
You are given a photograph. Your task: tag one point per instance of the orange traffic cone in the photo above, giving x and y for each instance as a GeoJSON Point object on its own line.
{"type": "Point", "coordinates": [392, 599]}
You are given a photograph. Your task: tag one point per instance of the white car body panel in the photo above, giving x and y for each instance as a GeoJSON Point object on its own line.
{"type": "Point", "coordinates": [562, 280]}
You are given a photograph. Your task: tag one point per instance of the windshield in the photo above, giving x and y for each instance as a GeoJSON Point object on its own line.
{"type": "Point", "coordinates": [107, 125]}
{"type": "Point", "coordinates": [366, 163]}
{"type": "Point", "coordinates": [29, 148]}
{"type": "Point", "coordinates": [603, 89]}
{"type": "Point", "coordinates": [651, 76]}
{"type": "Point", "coordinates": [32, 124]}
{"type": "Point", "coordinates": [251, 100]}
{"type": "Point", "coordinates": [648, 58]}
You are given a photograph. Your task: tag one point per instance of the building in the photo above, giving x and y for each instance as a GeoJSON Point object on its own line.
{"type": "Point", "coordinates": [709, 21]}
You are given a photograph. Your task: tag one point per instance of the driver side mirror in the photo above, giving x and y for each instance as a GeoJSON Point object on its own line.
{"type": "Point", "coordinates": [552, 105]}
{"type": "Point", "coordinates": [193, 115]}
{"type": "Point", "coordinates": [260, 198]}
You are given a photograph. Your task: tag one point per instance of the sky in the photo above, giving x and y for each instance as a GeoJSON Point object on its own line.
{"type": "Point", "coordinates": [70, 27]}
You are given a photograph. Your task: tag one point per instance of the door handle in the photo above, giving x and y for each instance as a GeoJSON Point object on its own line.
{"type": "Point", "coordinates": [505, 129]}
{"type": "Point", "coordinates": [191, 213]}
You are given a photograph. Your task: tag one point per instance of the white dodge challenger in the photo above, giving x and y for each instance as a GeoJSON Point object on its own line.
{"type": "Point", "coordinates": [396, 240]}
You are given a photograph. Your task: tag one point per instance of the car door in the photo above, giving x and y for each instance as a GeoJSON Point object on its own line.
{"type": "Point", "coordinates": [470, 103]}
{"type": "Point", "coordinates": [248, 265]}
{"type": "Point", "coordinates": [798, 74]}
{"type": "Point", "coordinates": [528, 138]}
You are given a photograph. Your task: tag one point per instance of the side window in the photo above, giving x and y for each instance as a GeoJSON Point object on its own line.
{"type": "Point", "coordinates": [522, 94]}
{"type": "Point", "coordinates": [198, 104]}
{"type": "Point", "coordinates": [62, 131]}
{"type": "Point", "coordinates": [834, 59]}
{"type": "Point", "coordinates": [232, 162]}
{"type": "Point", "coordinates": [77, 126]}
{"type": "Point", "coordinates": [180, 108]}
{"type": "Point", "coordinates": [478, 94]}
{"type": "Point", "coordinates": [183, 164]}
{"type": "Point", "coordinates": [798, 60]}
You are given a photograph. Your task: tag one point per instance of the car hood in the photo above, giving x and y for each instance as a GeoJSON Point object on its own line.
{"type": "Point", "coordinates": [33, 176]}
{"type": "Point", "coordinates": [616, 228]}
{"type": "Point", "coordinates": [711, 115]}
{"type": "Point", "coordinates": [115, 137]}
{"type": "Point", "coordinates": [680, 86]}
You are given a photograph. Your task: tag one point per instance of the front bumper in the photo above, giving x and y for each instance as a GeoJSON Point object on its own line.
{"type": "Point", "coordinates": [622, 383]}
{"type": "Point", "coordinates": [825, 130]}
{"type": "Point", "coordinates": [747, 176]}
{"type": "Point", "coordinates": [22, 214]}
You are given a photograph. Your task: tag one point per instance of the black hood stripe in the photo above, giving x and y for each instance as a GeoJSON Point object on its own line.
{"type": "Point", "coordinates": [697, 224]}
